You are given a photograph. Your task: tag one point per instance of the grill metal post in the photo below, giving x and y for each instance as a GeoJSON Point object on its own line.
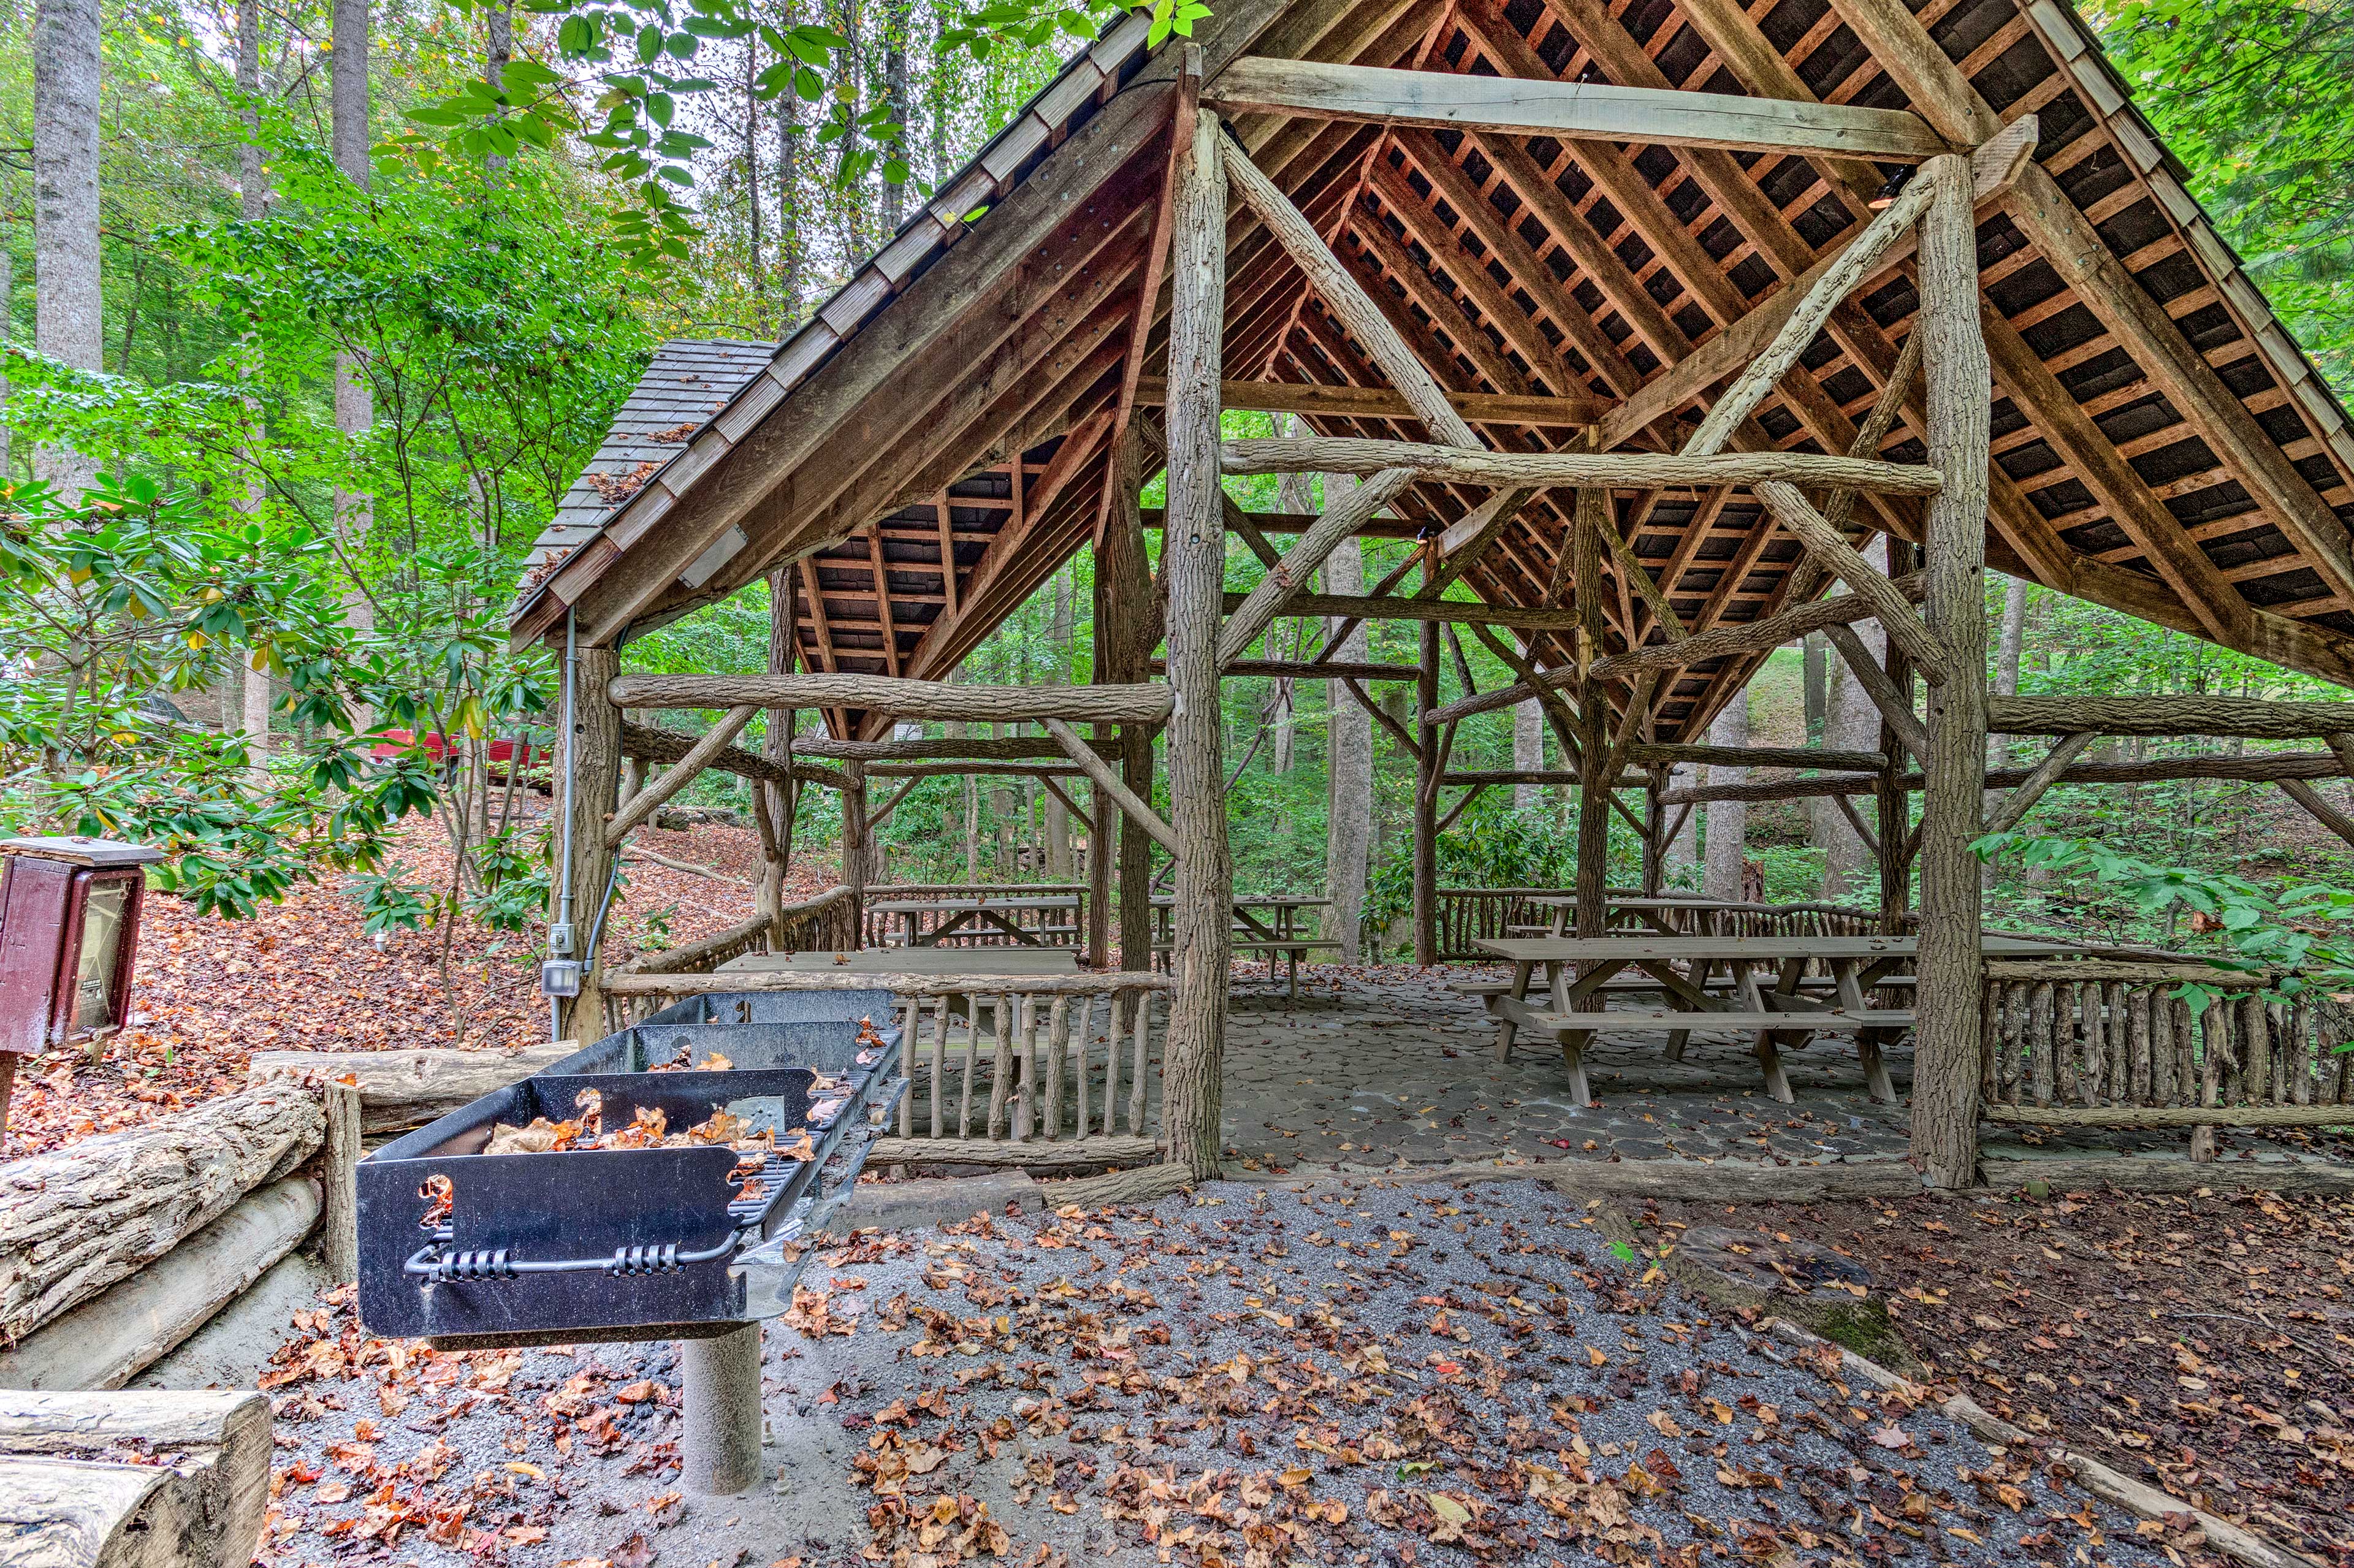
{"type": "Point", "coordinates": [720, 1411]}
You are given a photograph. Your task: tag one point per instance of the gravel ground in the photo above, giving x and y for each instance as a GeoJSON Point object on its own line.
{"type": "Point", "coordinates": [1246, 1376]}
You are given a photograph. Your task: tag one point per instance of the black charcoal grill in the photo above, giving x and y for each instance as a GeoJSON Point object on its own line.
{"type": "Point", "coordinates": [631, 1243]}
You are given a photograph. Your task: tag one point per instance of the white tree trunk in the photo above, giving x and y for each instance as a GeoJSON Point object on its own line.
{"type": "Point", "coordinates": [348, 94]}
{"type": "Point", "coordinates": [1683, 849]}
{"type": "Point", "coordinates": [66, 299]}
{"type": "Point", "coordinates": [1528, 753]}
{"type": "Point", "coordinates": [1727, 843]}
{"type": "Point", "coordinates": [1853, 724]}
{"type": "Point", "coordinates": [257, 706]}
{"type": "Point", "coordinates": [1349, 742]}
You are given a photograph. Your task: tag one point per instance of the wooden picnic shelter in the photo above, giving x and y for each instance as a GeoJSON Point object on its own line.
{"type": "Point", "coordinates": [1673, 332]}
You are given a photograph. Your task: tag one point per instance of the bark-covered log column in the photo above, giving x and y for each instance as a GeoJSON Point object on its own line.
{"type": "Point", "coordinates": [1124, 653]}
{"type": "Point", "coordinates": [1193, 557]}
{"type": "Point", "coordinates": [855, 853]}
{"type": "Point", "coordinates": [589, 788]}
{"type": "Point", "coordinates": [1593, 872]}
{"type": "Point", "coordinates": [1655, 824]}
{"type": "Point", "coordinates": [1426, 803]}
{"type": "Point", "coordinates": [1895, 811]}
{"type": "Point", "coordinates": [1945, 1068]}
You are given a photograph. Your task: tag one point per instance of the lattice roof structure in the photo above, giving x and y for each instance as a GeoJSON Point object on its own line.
{"type": "Point", "coordinates": [2161, 444]}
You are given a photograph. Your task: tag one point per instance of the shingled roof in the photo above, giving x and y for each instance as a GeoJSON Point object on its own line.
{"type": "Point", "coordinates": [689, 381]}
{"type": "Point", "coordinates": [2161, 444]}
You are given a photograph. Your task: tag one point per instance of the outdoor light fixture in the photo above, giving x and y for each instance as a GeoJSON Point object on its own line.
{"type": "Point", "coordinates": [69, 937]}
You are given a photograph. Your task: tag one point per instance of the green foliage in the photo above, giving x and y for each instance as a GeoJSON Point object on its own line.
{"type": "Point", "coordinates": [2257, 98]}
{"type": "Point", "coordinates": [2286, 930]}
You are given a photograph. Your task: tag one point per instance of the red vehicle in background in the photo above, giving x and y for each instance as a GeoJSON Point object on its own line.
{"type": "Point", "coordinates": [505, 755]}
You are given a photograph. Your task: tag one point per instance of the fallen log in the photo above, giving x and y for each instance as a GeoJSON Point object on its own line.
{"type": "Point", "coordinates": [401, 1089]}
{"type": "Point", "coordinates": [75, 1222]}
{"type": "Point", "coordinates": [119, 1333]}
{"type": "Point", "coordinates": [67, 1501]}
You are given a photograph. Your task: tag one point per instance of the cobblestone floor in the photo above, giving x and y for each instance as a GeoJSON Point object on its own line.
{"type": "Point", "coordinates": [1373, 1068]}
{"type": "Point", "coordinates": [1367, 1072]}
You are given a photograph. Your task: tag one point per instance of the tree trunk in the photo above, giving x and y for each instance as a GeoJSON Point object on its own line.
{"type": "Point", "coordinates": [354, 512]}
{"type": "Point", "coordinates": [1593, 866]}
{"type": "Point", "coordinates": [1682, 854]}
{"type": "Point", "coordinates": [1945, 1073]}
{"type": "Point", "coordinates": [498, 28]}
{"type": "Point", "coordinates": [258, 704]}
{"type": "Point", "coordinates": [1349, 764]}
{"type": "Point", "coordinates": [1528, 753]}
{"type": "Point", "coordinates": [1816, 653]}
{"type": "Point", "coordinates": [1853, 724]}
{"type": "Point", "coordinates": [1123, 592]}
{"type": "Point", "coordinates": [791, 246]}
{"type": "Point", "coordinates": [1059, 817]}
{"type": "Point", "coordinates": [1426, 801]}
{"type": "Point", "coordinates": [66, 295]}
{"type": "Point", "coordinates": [2008, 648]}
{"type": "Point", "coordinates": [74, 1222]}
{"type": "Point", "coordinates": [898, 14]}
{"type": "Point", "coordinates": [1193, 549]}
{"type": "Point", "coordinates": [1726, 844]}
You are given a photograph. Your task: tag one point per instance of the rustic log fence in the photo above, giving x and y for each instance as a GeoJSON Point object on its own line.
{"type": "Point", "coordinates": [1053, 927]}
{"type": "Point", "coordinates": [2105, 1043]}
{"type": "Point", "coordinates": [827, 923]}
{"type": "Point", "coordinates": [1045, 1072]}
{"type": "Point", "coordinates": [1007, 1065]}
{"type": "Point", "coordinates": [1468, 913]}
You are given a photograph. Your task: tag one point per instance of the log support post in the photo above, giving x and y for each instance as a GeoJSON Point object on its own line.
{"type": "Point", "coordinates": [855, 851]}
{"type": "Point", "coordinates": [1893, 853]}
{"type": "Point", "coordinates": [590, 781]}
{"type": "Point", "coordinates": [1193, 559]}
{"type": "Point", "coordinates": [1593, 869]}
{"type": "Point", "coordinates": [1946, 1071]}
{"type": "Point", "coordinates": [1655, 836]}
{"type": "Point", "coordinates": [1123, 648]}
{"type": "Point", "coordinates": [1427, 763]}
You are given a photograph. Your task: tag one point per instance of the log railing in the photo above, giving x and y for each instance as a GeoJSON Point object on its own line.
{"type": "Point", "coordinates": [1045, 1072]}
{"type": "Point", "coordinates": [1054, 928]}
{"type": "Point", "coordinates": [1466, 913]}
{"type": "Point", "coordinates": [827, 923]}
{"type": "Point", "coordinates": [2106, 1043]}
{"type": "Point", "coordinates": [1010, 1064]}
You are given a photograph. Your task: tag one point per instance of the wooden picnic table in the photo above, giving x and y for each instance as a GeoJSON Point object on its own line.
{"type": "Point", "coordinates": [1278, 933]}
{"type": "Point", "coordinates": [974, 916]}
{"type": "Point", "coordinates": [1781, 1012]}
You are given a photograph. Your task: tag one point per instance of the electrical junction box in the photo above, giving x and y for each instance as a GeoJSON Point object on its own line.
{"type": "Point", "coordinates": [68, 938]}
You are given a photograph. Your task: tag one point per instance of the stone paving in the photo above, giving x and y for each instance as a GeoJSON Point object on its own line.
{"type": "Point", "coordinates": [1370, 1069]}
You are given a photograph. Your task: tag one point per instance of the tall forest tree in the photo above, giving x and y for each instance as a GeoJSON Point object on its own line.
{"type": "Point", "coordinates": [67, 292]}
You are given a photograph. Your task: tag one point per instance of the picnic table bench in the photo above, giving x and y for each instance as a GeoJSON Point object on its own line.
{"type": "Point", "coordinates": [1789, 1010]}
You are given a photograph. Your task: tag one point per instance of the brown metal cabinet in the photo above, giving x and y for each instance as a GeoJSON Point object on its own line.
{"type": "Point", "coordinates": [69, 937]}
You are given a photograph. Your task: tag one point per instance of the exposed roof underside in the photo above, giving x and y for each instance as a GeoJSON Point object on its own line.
{"type": "Point", "coordinates": [2159, 444]}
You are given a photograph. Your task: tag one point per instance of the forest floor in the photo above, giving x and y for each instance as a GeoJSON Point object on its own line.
{"type": "Point", "coordinates": [301, 975]}
{"type": "Point", "coordinates": [2202, 1342]}
{"type": "Point", "coordinates": [1363, 1374]}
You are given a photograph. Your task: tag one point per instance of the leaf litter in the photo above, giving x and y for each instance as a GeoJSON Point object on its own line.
{"type": "Point", "coordinates": [1240, 1378]}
